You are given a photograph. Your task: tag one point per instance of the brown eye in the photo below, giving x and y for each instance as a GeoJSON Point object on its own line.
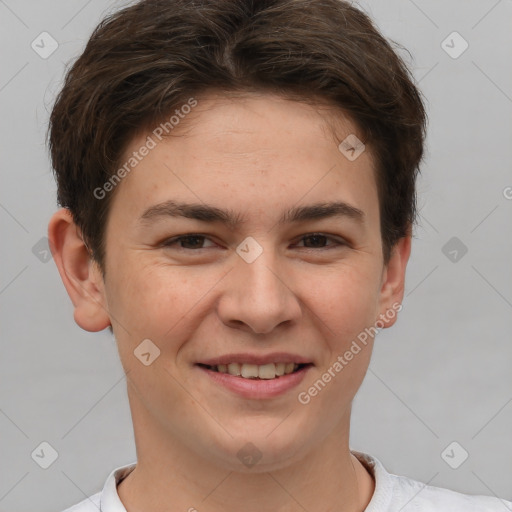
{"type": "Point", "coordinates": [318, 241]}
{"type": "Point", "coordinates": [188, 242]}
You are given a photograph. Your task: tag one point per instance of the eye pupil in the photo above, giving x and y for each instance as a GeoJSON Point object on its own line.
{"type": "Point", "coordinates": [186, 238]}
{"type": "Point", "coordinates": [315, 237]}
{"type": "Point", "coordinates": [193, 241]}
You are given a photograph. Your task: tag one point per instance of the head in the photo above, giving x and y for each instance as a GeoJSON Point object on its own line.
{"type": "Point", "coordinates": [246, 112]}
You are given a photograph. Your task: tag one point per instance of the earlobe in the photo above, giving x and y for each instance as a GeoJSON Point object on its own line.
{"type": "Point", "coordinates": [79, 272]}
{"type": "Point", "coordinates": [393, 282]}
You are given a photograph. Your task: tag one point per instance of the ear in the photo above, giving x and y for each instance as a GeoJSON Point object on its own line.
{"type": "Point", "coordinates": [393, 282]}
{"type": "Point", "coordinates": [80, 274]}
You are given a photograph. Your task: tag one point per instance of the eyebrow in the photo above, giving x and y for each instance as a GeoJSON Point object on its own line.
{"type": "Point", "coordinates": [207, 213]}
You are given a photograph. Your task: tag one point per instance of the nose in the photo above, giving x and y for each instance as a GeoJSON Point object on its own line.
{"type": "Point", "coordinates": [259, 296]}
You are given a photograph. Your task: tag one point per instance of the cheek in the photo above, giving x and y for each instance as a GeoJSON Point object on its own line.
{"type": "Point", "coordinates": [345, 299]}
{"type": "Point", "coordinates": [148, 302]}
{"type": "Point", "coordinates": [346, 305]}
{"type": "Point", "coordinates": [151, 305]}
{"type": "Point", "coordinates": [157, 301]}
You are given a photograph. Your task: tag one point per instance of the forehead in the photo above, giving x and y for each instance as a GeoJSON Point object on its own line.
{"type": "Point", "coordinates": [255, 152]}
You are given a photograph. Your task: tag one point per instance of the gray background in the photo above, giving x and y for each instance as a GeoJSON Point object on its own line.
{"type": "Point", "coordinates": [441, 374]}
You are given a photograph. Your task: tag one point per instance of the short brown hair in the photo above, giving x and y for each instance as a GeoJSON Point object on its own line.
{"type": "Point", "coordinates": [147, 59]}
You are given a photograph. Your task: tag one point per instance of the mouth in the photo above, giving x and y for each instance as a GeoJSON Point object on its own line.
{"type": "Point", "coordinates": [267, 371]}
{"type": "Point", "coordinates": [255, 381]}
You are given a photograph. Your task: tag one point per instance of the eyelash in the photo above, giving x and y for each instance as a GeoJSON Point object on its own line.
{"type": "Point", "coordinates": [172, 241]}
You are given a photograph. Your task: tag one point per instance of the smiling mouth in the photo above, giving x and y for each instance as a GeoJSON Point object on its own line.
{"type": "Point", "coordinates": [257, 372]}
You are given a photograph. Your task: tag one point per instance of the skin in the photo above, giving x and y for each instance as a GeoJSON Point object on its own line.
{"type": "Point", "coordinates": [257, 155]}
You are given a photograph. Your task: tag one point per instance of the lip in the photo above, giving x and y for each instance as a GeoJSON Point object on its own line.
{"type": "Point", "coordinates": [256, 388]}
{"type": "Point", "coordinates": [259, 359]}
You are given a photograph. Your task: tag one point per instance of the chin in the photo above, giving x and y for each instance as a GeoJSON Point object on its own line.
{"type": "Point", "coordinates": [258, 449]}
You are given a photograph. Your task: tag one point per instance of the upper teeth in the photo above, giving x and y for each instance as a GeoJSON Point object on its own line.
{"type": "Point", "coordinates": [263, 371]}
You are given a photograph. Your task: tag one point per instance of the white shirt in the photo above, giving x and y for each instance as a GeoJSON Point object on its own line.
{"type": "Point", "coordinates": [392, 494]}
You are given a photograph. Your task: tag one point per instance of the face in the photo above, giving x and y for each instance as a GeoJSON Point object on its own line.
{"type": "Point", "coordinates": [280, 283]}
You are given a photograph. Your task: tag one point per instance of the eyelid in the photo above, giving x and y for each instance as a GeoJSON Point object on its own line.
{"type": "Point", "coordinates": [168, 242]}
{"type": "Point", "coordinates": [338, 241]}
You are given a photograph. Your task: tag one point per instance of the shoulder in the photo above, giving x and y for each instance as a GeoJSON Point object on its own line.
{"type": "Point", "coordinates": [107, 499]}
{"type": "Point", "coordinates": [90, 504]}
{"type": "Point", "coordinates": [413, 496]}
{"type": "Point", "coordinates": [395, 493]}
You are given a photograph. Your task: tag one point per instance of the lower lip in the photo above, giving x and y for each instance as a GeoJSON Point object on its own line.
{"type": "Point", "coordinates": [258, 388]}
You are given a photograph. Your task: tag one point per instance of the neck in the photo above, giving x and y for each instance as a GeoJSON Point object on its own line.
{"type": "Point", "coordinates": [169, 476]}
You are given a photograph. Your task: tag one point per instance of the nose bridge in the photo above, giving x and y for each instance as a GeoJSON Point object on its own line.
{"type": "Point", "coordinates": [257, 295]}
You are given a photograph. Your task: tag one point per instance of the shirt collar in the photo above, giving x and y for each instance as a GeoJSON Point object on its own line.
{"type": "Point", "coordinates": [109, 499]}
{"type": "Point", "coordinates": [383, 493]}
{"type": "Point", "coordinates": [381, 499]}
